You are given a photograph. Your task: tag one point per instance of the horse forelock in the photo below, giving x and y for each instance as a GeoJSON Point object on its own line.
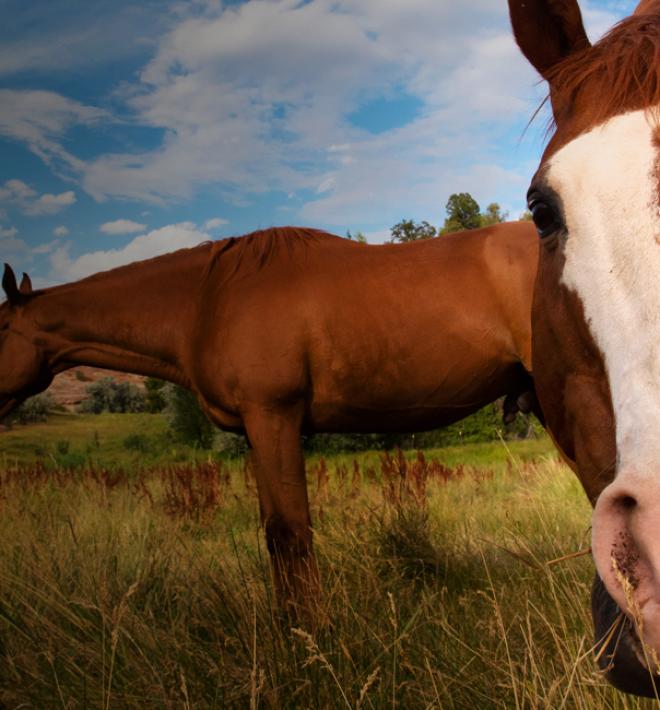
{"type": "Point", "coordinates": [621, 73]}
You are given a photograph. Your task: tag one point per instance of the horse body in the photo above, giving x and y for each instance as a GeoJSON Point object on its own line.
{"type": "Point", "coordinates": [371, 339]}
{"type": "Point", "coordinates": [287, 331]}
{"type": "Point", "coordinates": [595, 322]}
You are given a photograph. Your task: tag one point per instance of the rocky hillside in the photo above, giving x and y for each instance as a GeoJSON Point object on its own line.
{"type": "Point", "coordinates": [70, 388]}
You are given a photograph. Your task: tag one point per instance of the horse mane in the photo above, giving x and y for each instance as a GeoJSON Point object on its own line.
{"type": "Point", "coordinates": [253, 251]}
{"type": "Point", "coordinates": [622, 69]}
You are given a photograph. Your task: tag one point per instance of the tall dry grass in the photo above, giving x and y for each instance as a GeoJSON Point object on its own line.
{"type": "Point", "coordinates": [441, 590]}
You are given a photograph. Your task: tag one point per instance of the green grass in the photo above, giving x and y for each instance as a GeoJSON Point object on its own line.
{"type": "Point", "coordinates": [95, 438]}
{"type": "Point", "coordinates": [121, 593]}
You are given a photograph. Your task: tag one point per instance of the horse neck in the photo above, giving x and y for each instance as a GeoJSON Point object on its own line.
{"type": "Point", "coordinates": [134, 319]}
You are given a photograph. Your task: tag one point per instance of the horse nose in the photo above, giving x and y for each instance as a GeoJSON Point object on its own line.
{"type": "Point", "coordinates": [626, 550]}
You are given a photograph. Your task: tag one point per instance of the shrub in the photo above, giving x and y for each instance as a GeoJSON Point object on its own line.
{"type": "Point", "coordinates": [106, 395]}
{"type": "Point", "coordinates": [156, 400]}
{"type": "Point", "coordinates": [33, 410]}
{"type": "Point", "coordinates": [188, 422]}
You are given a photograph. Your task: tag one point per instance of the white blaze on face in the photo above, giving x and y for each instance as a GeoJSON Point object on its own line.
{"type": "Point", "coordinates": [608, 186]}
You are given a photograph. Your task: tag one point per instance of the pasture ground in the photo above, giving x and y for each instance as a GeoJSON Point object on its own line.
{"type": "Point", "coordinates": [149, 586]}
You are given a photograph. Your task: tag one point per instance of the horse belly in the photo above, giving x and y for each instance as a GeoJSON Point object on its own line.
{"type": "Point", "coordinates": [425, 395]}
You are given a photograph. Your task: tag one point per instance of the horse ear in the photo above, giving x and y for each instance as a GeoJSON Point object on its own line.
{"type": "Point", "coordinates": [26, 285]}
{"type": "Point", "coordinates": [547, 31]}
{"type": "Point", "coordinates": [10, 287]}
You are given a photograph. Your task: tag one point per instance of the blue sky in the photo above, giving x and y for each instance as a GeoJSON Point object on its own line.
{"type": "Point", "coordinates": [132, 129]}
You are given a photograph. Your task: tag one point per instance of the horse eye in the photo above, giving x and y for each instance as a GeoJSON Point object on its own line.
{"type": "Point", "coordinates": [544, 216]}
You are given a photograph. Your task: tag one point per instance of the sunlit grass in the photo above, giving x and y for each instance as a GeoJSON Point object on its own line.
{"type": "Point", "coordinates": [110, 597]}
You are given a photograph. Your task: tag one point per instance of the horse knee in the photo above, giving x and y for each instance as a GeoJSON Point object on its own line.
{"type": "Point", "coordinates": [288, 538]}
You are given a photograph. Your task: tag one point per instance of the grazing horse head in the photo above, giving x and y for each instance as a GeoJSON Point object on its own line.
{"type": "Point", "coordinates": [23, 367]}
{"type": "Point", "coordinates": [595, 200]}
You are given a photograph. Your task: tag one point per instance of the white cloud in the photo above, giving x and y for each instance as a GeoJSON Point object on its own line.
{"type": "Point", "coordinates": [64, 267]}
{"type": "Point", "coordinates": [50, 204]}
{"type": "Point", "coordinates": [46, 248]}
{"type": "Point", "coordinates": [40, 119]}
{"type": "Point", "coordinates": [122, 226]}
{"type": "Point", "coordinates": [8, 232]}
{"type": "Point", "coordinates": [16, 191]}
{"type": "Point", "coordinates": [251, 86]}
{"type": "Point", "coordinates": [61, 231]}
{"type": "Point", "coordinates": [214, 223]}
{"type": "Point", "coordinates": [250, 100]}
{"type": "Point", "coordinates": [30, 202]}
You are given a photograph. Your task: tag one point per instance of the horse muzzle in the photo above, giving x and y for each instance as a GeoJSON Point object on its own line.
{"type": "Point", "coordinates": [618, 647]}
{"type": "Point", "coordinates": [626, 550]}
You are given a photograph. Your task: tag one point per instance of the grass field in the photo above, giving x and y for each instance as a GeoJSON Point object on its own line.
{"type": "Point", "coordinates": [151, 588]}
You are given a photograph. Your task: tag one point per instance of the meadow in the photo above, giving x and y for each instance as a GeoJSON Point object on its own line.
{"type": "Point", "coordinates": [134, 575]}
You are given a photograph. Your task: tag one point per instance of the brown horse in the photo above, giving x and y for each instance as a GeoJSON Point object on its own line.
{"type": "Point", "coordinates": [294, 330]}
{"type": "Point", "coordinates": [596, 316]}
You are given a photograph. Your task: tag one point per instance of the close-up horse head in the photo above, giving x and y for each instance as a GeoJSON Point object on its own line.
{"type": "Point", "coordinates": [595, 200]}
{"type": "Point", "coordinates": [22, 362]}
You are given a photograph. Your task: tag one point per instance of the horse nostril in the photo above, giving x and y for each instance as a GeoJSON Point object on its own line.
{"type": "Point", "coordinates": [626, 502]}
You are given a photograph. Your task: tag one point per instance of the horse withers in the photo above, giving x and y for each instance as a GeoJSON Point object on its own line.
{"type": "Point", "coordinates": [596, 316]}
{"type": "Point", "coordinates": [290, 331]}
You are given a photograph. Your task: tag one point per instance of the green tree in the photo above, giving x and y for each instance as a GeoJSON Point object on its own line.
{"type": "Point", "coordinates": [462, 213]}
{"type": "Point", "coordinates": [526, 216]}
{"type": "Point", "coordinates": [493, 215]}
{"type": "Point", "coordinates": [407, 230]}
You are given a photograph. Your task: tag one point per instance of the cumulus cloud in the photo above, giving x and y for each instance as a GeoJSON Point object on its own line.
{"type": "Point", "coordinates": [30, 202]}
{"type": "Point", "coordinates": [122, 226]}
{"type": "Point", "coordinates": [49, 204]}
{"type": "Point", "coordinates": [65, 267]}
{"type": "Point", "coordinates": [250, 85]}
{"type": "Point", "coordinates": [214, 223]}
{"type": "Point", "coordinates": [249, 100]}
{"type": "Point", "coordinates": [16, 191]}
{"type": "Point", "coordinates": [61, 231]}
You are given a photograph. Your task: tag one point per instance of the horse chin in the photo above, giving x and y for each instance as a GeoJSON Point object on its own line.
{"type": "Point", "coordinates": [619, 653]}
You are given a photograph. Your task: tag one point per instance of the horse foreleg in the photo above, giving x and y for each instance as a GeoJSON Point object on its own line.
{"type": "Point", "coordinates": [279, 470]}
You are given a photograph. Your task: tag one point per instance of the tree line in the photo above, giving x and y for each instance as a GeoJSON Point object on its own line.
{"type": "Point", "coordinates": [462, 212]}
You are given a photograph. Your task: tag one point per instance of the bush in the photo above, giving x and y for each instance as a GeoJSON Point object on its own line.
{"type": "Point", "coordinates": [33, 410]}
{"type": "Point", "coordinates": [188, 422]}
{"type": "Point", "coordinates": [156, 400]}
{"type": "Point", "coordinates": [106, 395]}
